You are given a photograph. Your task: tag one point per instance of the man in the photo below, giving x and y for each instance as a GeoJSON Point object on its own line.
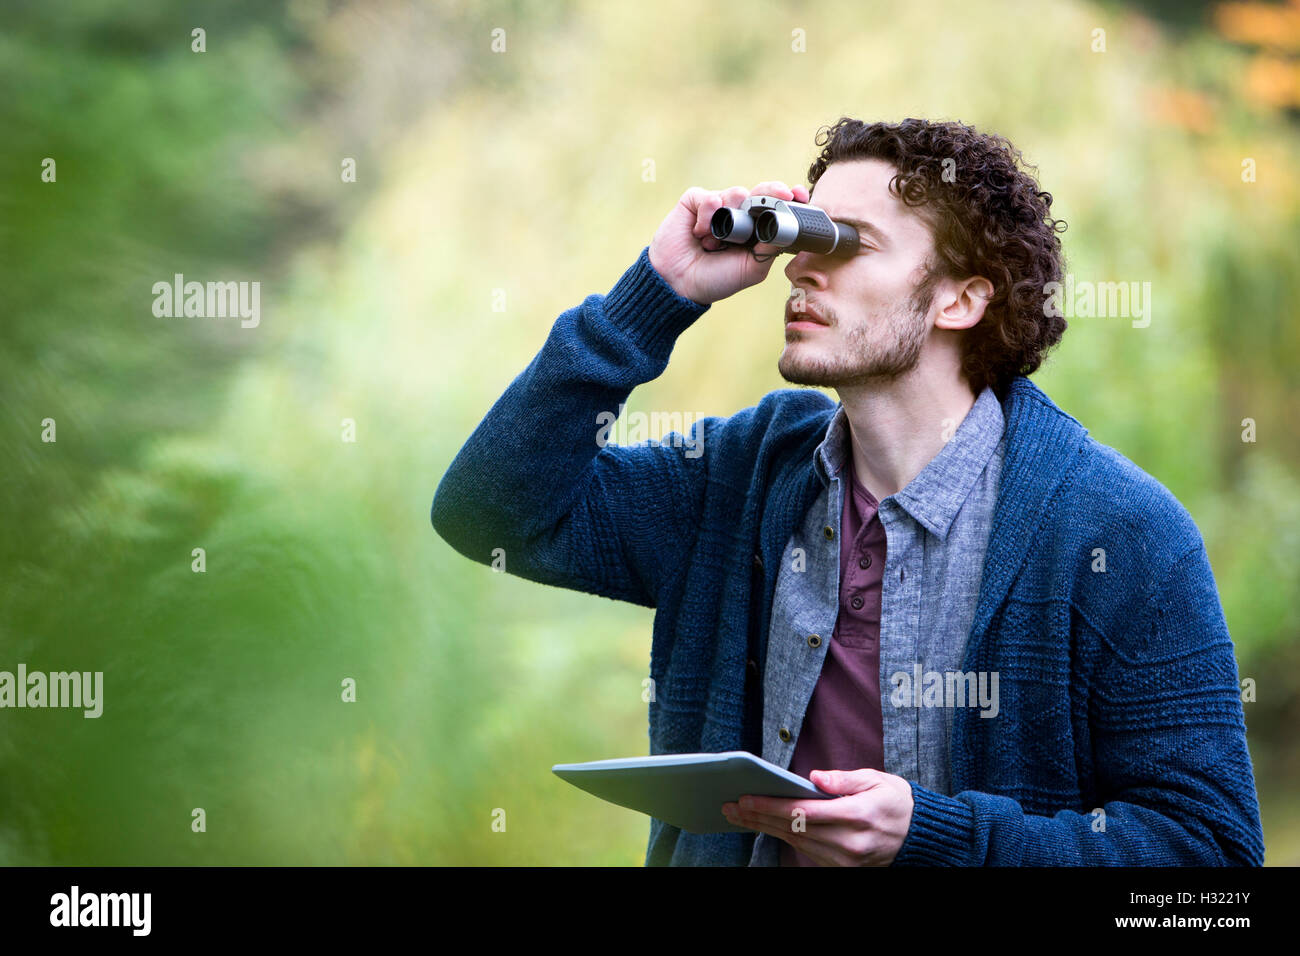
{"type": "Point", "coordinates": [997, 641]}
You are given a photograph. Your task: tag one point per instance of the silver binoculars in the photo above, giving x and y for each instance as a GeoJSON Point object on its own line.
{"type": "Point", "coordinates": [794, 226]}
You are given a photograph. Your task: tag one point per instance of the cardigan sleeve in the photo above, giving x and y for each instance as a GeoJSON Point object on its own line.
{"type": "Point", "coordinates": [1173, 772]}
{"type": "Point", "coordinates": [534, 486]}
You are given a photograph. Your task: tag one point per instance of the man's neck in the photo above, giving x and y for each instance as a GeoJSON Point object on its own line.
{"type": "Point", "coordinates": [898, 427]}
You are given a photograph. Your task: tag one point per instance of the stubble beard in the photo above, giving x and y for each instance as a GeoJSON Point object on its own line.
{"type": "Point", "coordinates": [860, 359]}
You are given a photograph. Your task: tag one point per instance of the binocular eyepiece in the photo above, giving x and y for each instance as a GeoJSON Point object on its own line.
{"type": "Point", "coordinates": [794, 226]}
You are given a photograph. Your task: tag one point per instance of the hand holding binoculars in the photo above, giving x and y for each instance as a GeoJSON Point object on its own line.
{"type": "Point", "coordinates": [794, 226]}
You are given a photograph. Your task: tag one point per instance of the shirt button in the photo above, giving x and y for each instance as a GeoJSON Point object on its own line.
{"type": "Point", "coordinates": [857, 603]}
{"type": "Point", "coordinates": [864, 562]}
{"type": "Point", "coordinates": [814, 640]}
{"type": "Point", "coordinates": [751, 668]}
{"type": "Point", "coordinates": [758, 561]}
{"type": "Point", "coordinates": [784, 735]}
{"type": "Point", "coordinates": [829, 532]}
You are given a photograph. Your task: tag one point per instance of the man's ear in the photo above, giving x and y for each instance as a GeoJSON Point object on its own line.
{"type": "Point", "coordinates": [963, 302]}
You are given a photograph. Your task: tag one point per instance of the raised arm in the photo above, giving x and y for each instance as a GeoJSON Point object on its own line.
{"type": "Point", "coordinates": [533, 485]}
{"type": "Point", "coordinates": [532, 479]}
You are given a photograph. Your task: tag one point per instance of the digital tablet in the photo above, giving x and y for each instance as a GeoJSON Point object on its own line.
{"type": "Point", "coordinates": [687, 790]}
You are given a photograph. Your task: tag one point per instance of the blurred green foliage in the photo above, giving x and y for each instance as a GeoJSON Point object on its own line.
{"type": "Point", "coordinates": [481, 172]}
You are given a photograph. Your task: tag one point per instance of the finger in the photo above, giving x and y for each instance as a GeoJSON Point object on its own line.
{"type": "Point", "coordinates": [849, 781]}
{"type": "Point", "coordinates": [778, 805]}
{"type": "Point", "coordinates": [801, 194]}
{"type": "Point", "coordinates": [782, 812]}
{"type": "Point", "coordinates": [708, 205]}
{"type": "Point", "coordinates": [710, 202]}
{"type": "Point", "coordinates": [773, 831]}
{"type": "Point", "coordinates": [788, 820]}
{"type": "Point", "coordinates": [820, 852]}
{"type": "Point", "coordinates": [826, 812]}
{"type": "Point", "coordinates": [707, 202]}
{"type": "Point", "coordinates": [828, 845]}
{"type": "Point", "coordinates": [773, 187]}
{"type": "Point", "coordinates": [823, 811]}
{"type": "Point", "coordinates": [694, 201]}
{"type": "Point", "coordinates": [735, 195]}
{"type": "Point", "coordinates": [824, 845]}
{"type": "Point", "coordinates": [748, 815]}
{"type": "Point", "coordinates": [692, 198]}
{"type": "Point", "coordinates": [772, 823]}
{"type": "Point", "coordinates": [699, 204]}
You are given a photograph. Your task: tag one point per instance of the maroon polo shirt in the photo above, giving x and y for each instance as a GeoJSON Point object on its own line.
{"type": "Point", "coordinates": [842, 728]}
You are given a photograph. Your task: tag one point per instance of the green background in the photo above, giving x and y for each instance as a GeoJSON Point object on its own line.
{"type": "Point", "coordinates": [522, 174]}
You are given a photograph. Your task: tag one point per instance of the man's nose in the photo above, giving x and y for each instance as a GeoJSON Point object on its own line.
{"type": "Point", "coordinates": [803, 267]}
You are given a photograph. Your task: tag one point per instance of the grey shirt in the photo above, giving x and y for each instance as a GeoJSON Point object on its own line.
{"type": "Point", "coordinates": [937, 532]}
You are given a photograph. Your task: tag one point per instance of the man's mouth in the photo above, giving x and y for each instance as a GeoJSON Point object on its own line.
{"type": "Point", "coordinates": [804, 316]}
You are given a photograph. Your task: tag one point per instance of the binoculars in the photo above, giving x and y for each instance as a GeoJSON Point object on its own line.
{"type": "Point", "coordinates": [794, 226]}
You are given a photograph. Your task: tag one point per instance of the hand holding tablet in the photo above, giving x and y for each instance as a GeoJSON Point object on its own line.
{"type": "Point", "coordinates": [688, 790]}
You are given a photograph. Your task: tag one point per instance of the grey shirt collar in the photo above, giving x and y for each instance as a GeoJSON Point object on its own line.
{"type": "Point", "coordinates": [935, 495]}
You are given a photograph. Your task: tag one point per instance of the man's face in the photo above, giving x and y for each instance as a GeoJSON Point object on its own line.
{"type": "Point", "coordinates": [875, 327]}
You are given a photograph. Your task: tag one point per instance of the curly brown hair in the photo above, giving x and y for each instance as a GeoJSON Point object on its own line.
{"type": "Point", "coordinates": [988, 218]}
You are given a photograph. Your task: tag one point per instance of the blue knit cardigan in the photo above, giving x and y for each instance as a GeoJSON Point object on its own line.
{"type": "Point", "coordinates": [1120, 738]}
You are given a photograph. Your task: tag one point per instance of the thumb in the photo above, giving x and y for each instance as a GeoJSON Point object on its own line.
{"type": "Point", "coordinates": [846, 781]}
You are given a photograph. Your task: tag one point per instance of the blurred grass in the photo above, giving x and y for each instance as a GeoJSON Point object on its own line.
{"type": "Point", "coordinates": [482, 172]}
